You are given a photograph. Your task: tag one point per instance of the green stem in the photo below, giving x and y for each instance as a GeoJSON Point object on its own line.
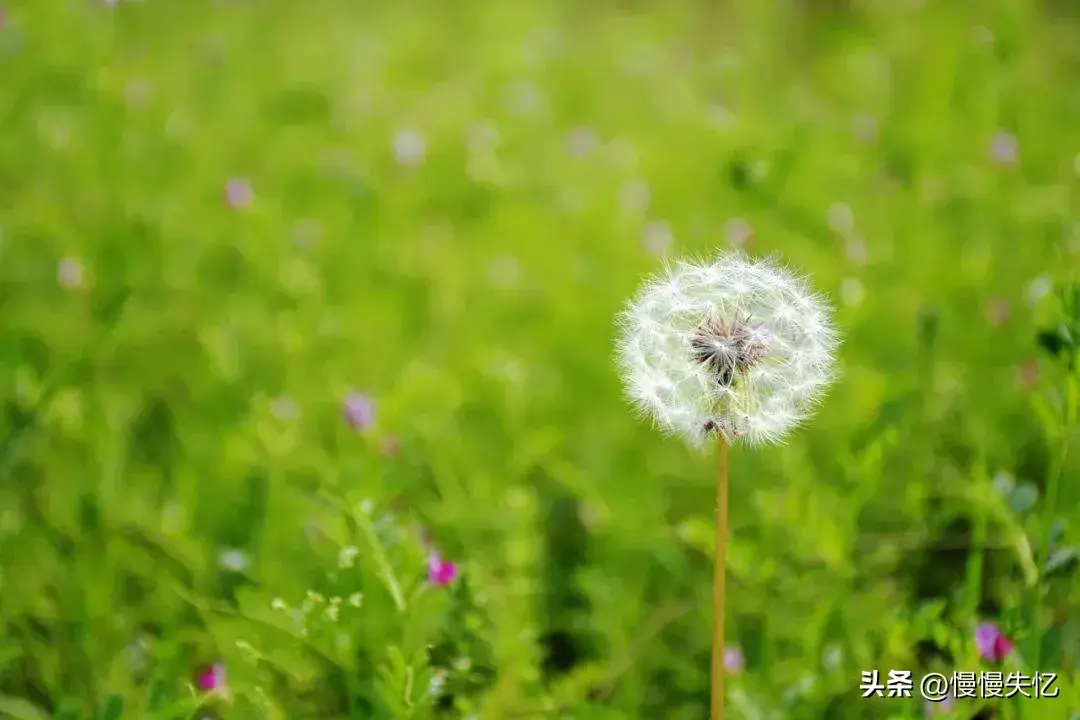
{"type": "Point", "coordinates": [1055, 470]}
{"type": "Point", "coordinates": [975, 564]}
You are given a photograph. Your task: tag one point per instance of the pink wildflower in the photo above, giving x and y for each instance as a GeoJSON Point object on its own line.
{"type": "Point", "coordinates": [1004, 149]}
{"type": "Point", "coordinates": [70, 273]}
{"type": "Point", "coordinates": [238, 193]}
{"type": "Point", "coordinates": [212, 679]}
{"type": "Point", "coordinates": [734, 661]}
{"type": "Point", "coordinates": [993, 645]}
{"type": "Point", "coordinates": [359, 411]}
{"type": "Point", "coordinates": [440, 572]}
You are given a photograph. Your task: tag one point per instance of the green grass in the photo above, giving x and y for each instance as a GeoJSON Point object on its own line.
{"type": "Point", "coordinates": [472, 297]}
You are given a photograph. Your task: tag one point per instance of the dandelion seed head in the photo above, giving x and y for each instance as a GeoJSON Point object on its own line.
{"type": "Point", "coordinates": [735, 346]}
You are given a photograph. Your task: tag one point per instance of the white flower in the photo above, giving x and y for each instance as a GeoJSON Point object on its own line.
{"type": "Point", "coordinates": [232, 559]}
{"type": "Point", "coordinates": [409, 147]}
{"type": "Point", "coordinates": [738, 347]}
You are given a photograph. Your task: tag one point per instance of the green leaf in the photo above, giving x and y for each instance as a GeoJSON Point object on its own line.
{"type": "Point", "coordinates": [1061, 561]}
{"type": "Point", "coordinates": [17, 709]}
{"type": "Point", "coordinates": [1023, 498]}
{"type": "Point", "coordinates": [114, 708]}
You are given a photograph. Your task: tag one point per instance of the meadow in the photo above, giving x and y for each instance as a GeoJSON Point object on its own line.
{"type": "Point", "coordinates": [308, 408]}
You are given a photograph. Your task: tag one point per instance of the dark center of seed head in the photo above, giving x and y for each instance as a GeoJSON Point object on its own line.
{"type": "Point", "coordinates": [728, 348]}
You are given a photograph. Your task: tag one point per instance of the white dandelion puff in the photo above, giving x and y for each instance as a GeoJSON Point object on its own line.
{"type": "Point", "coordinates": [737, 347]}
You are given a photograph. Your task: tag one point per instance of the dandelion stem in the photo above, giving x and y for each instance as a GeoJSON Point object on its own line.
{"type": "Point", "coordinates": [719, 578]}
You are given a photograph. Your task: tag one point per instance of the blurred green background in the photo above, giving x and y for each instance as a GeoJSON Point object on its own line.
{"type": "Point", "coordinates": [218, 219]}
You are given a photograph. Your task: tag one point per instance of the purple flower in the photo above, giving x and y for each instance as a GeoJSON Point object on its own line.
{"type": "Point", "coordinates": [993, 645]}
{"type": "Point", "coordinates": [1004, 148]}
{"type": "Point", "coordinates": [212, 679]}
{"type": "Point", "coordinates": [440, 572]}
{"type": "Point", "coordinates": [734, 661]}
{"type": "Point", "coordinates": [70, 273]}
{"type": "Point", "coordinates": [238, 193]}
{"type": "Point", "coordinates": [359, 411]}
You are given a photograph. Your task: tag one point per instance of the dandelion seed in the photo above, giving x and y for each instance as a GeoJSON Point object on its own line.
{"type": "Point", "coordinates": [992, 644]}
{"type": "Point", "coordinates": [279, 604]}
{"type": "Point", "coordinates": [440, 572]}
{"type": "Point", "coordinates": [736, 347]}
{"type": "Point", "coordinates": [366, 507]}
{"type": "Point", "coordinates": [239, 193]}
{"type": "Point", "coordinates": [734, 662]}
{"type": "Point", "coordinates": [737, 232]}
{"type": "Point", "coordinates": [70, 273]}
{"type": "Point", "coordinates": [409, 147]}
{"type": "Point", "coordinates": [1004, 149]}
{"type": "Point", "coordinates": [359, 411]}
{"type": "Point", "coordinates": [356, 599]}
{"type": "Point", "coordinates": [233, 560]}
{"type": "Point", "coordinates": [332, 611]}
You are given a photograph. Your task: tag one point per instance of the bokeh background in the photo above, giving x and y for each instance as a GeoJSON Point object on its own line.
{"type": "Point", "coordinates": [307, 402]}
